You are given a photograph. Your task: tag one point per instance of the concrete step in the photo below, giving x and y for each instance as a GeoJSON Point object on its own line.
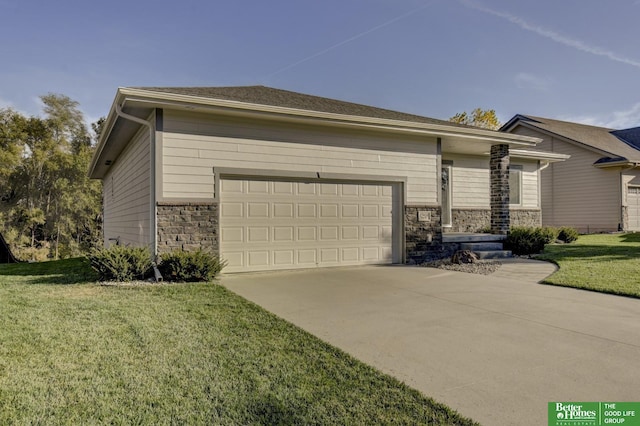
{"type": "Point", "coordinates": [471, 238]}
{"type": "Point", "coordinates": [494, 254]}
{"type": "Point", "coordinates": [484, 246]}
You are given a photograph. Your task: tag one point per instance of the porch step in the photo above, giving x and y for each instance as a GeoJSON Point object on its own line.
{"type": "Point", "coordinates": [471, 238]}
{"type": "Point", "coordinates": [494, 254]}
{"type": "Point", "coordinates": [483, 246]}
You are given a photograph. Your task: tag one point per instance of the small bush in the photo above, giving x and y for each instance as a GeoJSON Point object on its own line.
{"type": "Point", "coordinates": [525, 241]}
{"type": "Point", "coordinates": [120, 263]}
{"type": "Point", "coordinates": [190, 266]}
{"type": "Point", "coordinates": [548, 234]}
{"type": "Point", "coordinates": [567, 234]}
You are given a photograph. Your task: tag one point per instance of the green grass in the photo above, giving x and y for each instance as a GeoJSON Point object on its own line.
{"type": "Point", "coordinates": [75, 352]}
{"type": "Point", "coordinates": [608, 263]}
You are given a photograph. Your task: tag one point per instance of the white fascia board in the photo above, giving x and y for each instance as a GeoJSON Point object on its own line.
{"type": "Point", "coordinates": [550, 157]}
{"type": "Point", "coordinates": [360, 121]}
{"type": "Point", "coordinates": [110, 121]}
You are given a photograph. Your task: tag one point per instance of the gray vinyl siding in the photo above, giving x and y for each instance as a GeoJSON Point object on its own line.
{"type": "Point", "coordinates": [574, 192]}
{"type": "Point", "coordinates": [126, 195]}
{"type": "Point", "coordinates": [194, 143]}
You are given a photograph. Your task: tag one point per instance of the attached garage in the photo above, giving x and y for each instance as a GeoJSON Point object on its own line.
{"type": "Point", "coordinates": [270, 224]}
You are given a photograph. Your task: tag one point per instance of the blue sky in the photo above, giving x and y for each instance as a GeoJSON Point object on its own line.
{"type": "Point", "coordinates": [576, 60]}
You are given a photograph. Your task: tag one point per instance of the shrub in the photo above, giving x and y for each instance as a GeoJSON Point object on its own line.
{"type": "Point", "coordinates": [190, 266]}
{"type": "Point", "coordinates": [567, 234]}
{"type": "Point", "coordinates": [120, 263]}
{"type": "Point", "coordinates": [525, 241]}
{"type": "Point", "coordinates": [548, 234]}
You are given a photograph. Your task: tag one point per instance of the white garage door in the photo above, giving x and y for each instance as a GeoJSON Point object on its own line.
{"type": "Point", "coordinates": [633, 209]}
{"type": "Point", "coordinates": [267, 225]}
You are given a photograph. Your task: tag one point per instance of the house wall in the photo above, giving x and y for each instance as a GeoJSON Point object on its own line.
{"type": "Point", "coordinates": [574, 192]}
{"type": "Point", "coordinates": [470, 180]}
{"type": "Point", "coordinates": [126, 194]}
{"type": "Point", "coordinates": [471, 209]}
{"type": "Point", "coordinates": [188, 158]}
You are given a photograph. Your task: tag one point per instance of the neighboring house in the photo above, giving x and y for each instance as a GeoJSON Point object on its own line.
{"type": "Point", "coordinates": [598, 188]}
{"type": "Point", "coordinates": [273, 179]}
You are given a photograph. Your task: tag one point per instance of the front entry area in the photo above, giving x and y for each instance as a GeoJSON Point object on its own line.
{"type": "Point", "coordinates": [291, 224]}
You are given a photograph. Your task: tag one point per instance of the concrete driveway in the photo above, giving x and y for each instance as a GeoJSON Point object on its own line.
{"type": "Point", "coordinates": [496, 348]}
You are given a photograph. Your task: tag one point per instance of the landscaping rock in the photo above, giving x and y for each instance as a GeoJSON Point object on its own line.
{"type": "Point", "coordinates": [464, 256]}
{"type": "Point", "coordinates": [483, 267]}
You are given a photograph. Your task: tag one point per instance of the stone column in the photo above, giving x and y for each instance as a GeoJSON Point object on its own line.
{"type": "Point", "coordinates": [499, 170]}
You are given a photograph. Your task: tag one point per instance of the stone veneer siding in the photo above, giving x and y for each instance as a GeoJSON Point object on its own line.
{"type": "Point", "coordinates": [469, 220]}
{"type": "Point", "coordinates": [527, 218]}
{"type": "Point", "coordinates": [423, 239]}
{"type": "Point", "coordinates": [624, 226]}
{"type": "Point", "coordinates": [499, 179]}
{"type": "Point", "coordinates": [187, 226]}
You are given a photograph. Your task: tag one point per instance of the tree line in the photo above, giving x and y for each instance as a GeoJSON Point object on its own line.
{"type": "Point", "coordinates": [49, 208]}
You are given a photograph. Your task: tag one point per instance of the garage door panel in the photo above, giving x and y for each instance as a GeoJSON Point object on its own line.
{"type": "Point", "coordinates": [283, 188]}
{"type": "Point", "coordinates": [283, 257]}
{"type": "Point", "coordinates": [282, 225]}
{"type": "Point", "coordinates": [329, 211]}
{"type": "Point", "coordinates": [350, 232]}
{"type": "Point", "coordinates": [258, 187]}
{"type": "Point", "coordinates": [350, 254]}
{"type": "Point", "coordinates": [329, 255]}
{"type": "Point", "coordinates": [283, 210]}
{"type": "Point", "coordinates": [258, 258]}
{"type": "Point", "coordinates": [307, 210]}
{"type": "Point", "coordinates": [328, 189]}
{"type": "Point", "coordinates": [307, 257]}
{"type": "Point", "coordinates": [283, 233]}
{"type": "Point", "coordinates": [307, 233]}
{"type": "Point", "coordinates": [329, 233]}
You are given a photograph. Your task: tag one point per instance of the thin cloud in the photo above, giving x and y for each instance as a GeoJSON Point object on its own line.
{"type": "Point", "coordinates": [350, 39]}
{"type": "Point", "coordinates": [525, 80]}
{"type": "Point", "coordinates": [552, 35]}
{"type": "Point", "coordinates": [615, 120]}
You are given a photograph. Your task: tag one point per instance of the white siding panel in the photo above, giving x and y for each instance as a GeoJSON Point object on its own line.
{"type": "Point", "coordinates": [126, 195]}
{"type": "Point", "coordinates": [574, 192]}
{"type": "Point", "coordinates": [193, 144]}
{"type": "Point", "coordinates": [469, 181]}
{"type": "Point", "coordinates": [529, 183]}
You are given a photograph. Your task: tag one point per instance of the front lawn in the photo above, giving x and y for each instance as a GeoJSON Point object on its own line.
{"type": "Point", "coordinates": [75, 352]}
{"type": "Point", "coordinates": [608, 263]}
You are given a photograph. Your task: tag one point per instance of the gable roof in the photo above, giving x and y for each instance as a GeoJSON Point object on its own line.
{"type": "Point", "coordinates": [262, 95]}
{"type": "Point", "coordinates": [133, 107]}
{"type": "Point", "coordinates": [615, 145]}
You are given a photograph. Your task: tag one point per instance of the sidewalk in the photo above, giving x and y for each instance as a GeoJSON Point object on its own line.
{"type": "Point", "coordinates": [525, 269]}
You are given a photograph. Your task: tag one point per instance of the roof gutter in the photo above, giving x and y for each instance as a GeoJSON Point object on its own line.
{"type": "Point", "coordinates": [626, 164]}
{"type": "Point", "coordinates": [153, 217]}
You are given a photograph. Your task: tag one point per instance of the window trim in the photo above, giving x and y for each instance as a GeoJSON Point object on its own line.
{"type": "Point", "coordinates": [520, 169]}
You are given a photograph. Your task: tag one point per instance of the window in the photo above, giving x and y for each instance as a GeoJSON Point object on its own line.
{"type": "Point", "coordinates": [515, 185]}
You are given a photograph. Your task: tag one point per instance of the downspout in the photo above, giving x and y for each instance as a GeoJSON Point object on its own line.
{"type": "Point", "coordinates": [153, 217]}
{"type": "Point", "coordinates": [540, 169]}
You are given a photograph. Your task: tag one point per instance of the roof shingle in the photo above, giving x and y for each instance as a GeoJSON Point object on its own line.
{"type": "Point", "coordinates": [263, 95]}
{"type": "Point", "coordinates": [619, 144]}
